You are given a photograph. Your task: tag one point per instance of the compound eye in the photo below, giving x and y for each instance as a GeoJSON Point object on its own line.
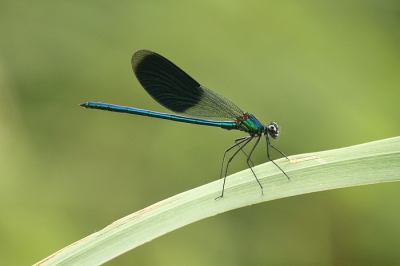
{"type": "Point", "coordinates": [272, 128]}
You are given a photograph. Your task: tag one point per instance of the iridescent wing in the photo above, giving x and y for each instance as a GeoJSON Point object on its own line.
{"type": "Point", "coordinates": [171, 87]}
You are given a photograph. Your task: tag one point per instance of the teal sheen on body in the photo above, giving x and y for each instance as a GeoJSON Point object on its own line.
{"type": "Point", "coordinates": [194, 104]}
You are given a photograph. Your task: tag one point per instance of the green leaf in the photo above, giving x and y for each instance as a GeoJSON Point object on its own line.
{"type": "Point", "coordinates": [369, 163]}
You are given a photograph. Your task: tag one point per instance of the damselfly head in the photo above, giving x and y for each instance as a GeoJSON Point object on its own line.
{"type": "Point", "coordinates": [273, 130]}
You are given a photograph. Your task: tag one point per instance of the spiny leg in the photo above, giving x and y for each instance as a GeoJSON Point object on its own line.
{"type": "Point", "coordinates": [244, 140]}
{"type": "Point", "coordinates": [248, 139]}
{"type": "Point", "coordinates": [248, 159]}
{"type": "Point", "coordinates": [284, 155]}
{"type": "Point", "coordinates": [238, 142]}
{"type": "Point", "coordinates": [246, 155]}
{"type": "Point", "coordinates": [269, 157]}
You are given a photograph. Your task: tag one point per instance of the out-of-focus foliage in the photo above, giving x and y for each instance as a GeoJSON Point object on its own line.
{"type": "Point", "coordinates": [328, 72]}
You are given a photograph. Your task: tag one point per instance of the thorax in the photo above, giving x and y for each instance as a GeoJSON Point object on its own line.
{"type": "Point", "coordinates": [250, 124]}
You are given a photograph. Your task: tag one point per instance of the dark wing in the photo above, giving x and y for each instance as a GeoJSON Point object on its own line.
{"type": "Point", "coordinates": [171, 87]}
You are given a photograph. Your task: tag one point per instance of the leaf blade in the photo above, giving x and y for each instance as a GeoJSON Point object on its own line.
{"type": "Point", "coordinates": [368, 163]}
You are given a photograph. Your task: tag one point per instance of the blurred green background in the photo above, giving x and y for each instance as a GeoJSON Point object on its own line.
{"type": "Point", "coordinates": [327, 71]}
